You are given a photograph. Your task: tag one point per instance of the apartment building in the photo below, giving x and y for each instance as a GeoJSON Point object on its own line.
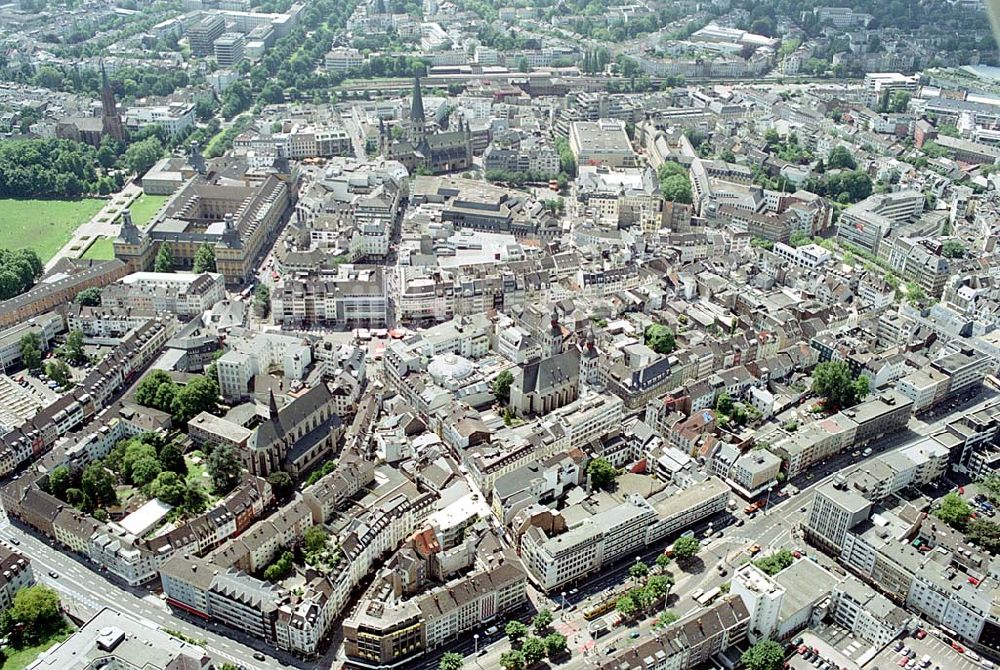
{"type": "Point", "coordinates": [763, 598]}
{"type": "Point", "coordinates": [93, 394]}
{"type": "Point", "coordinates": [175, 117]}
{"type": "Point", "coordinates": [868, 614]}
{"type": "Point", "coordinates": [688, 643]}
{"type": "Point", "coordinates": [165, 292]}
{"type": "Point", "coordinates": [59, 287]}
{"type": "Point", "coordinates": [15, 574]}
{"type": "Point", "coordinates": [45, 326]}
{"type": "Point", "coordinates": [559, 548]}
{"type": "Point", "coordinates": [202, 34]}
{"type": "Point", "coordinates": [381, 634]}
{"type": "Point", "coordinates": [229, 49]}
{"type": "Point", "coordinates": [341, 59]}
{"type": "Point", "coordinates": [251, 355]}
{"type": "Point", "coordinates": [835, 510]}
{"type": "Point", "coordinates": [358, 301]}
{"type": "Point", "coordinates": [866, 223]}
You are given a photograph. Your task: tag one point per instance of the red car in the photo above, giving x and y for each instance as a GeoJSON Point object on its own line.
{"type": "Point", "coordinates": [921, 634]}
{"type": "Point", "coordinates": [802, 649]}
{"type": "Point", "coordinates": [957, 647]}
{"type": "Point", "coordinates": [903, 661]}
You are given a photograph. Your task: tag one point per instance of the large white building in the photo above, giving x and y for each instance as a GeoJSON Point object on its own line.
{"type": "Point", "coordinates": [174, 118]}
{"type": "Point", "coordinates": [249, 356]}
{"type": "Point", "coordinates": [166, 292]}
{"type": "Point", "coordinates": [762, 597]}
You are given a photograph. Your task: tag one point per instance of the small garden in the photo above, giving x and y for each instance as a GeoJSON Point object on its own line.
{"type": "Point", "coordinates": [314, 551]}
{"type": "Point", "coordinates": [33, 623]}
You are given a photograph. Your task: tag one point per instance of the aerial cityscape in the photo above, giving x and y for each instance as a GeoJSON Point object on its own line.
{"type": "Point", "coordinates": [499, 335]}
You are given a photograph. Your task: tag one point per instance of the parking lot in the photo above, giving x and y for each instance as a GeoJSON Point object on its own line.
{"type": "Point", "coordinates": [844, 651]}
{"type": "Point", "coordinates": [834, 645]}
{"type": "Point", "coordinates": [942, 656]}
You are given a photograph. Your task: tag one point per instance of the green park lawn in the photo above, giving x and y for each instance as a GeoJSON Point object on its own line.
{"type": "Point", "coordinates": [145, 206]}
{"type": "Point", "coordinates": [21, 658]}
{"type": "Point", "coordinates": [101, 249]}
{"type": "Point", "coordinates": [43, 225]}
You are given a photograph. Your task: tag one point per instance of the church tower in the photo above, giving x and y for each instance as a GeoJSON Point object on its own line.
{"type": "Point", "coordinates": [589, 357]}
{"type": "Point", "coordinates": [552, 340]}
{"type": "Point", "coordinates": [418, 121]}
{"type": "Point", "coordinates": [111, 121]}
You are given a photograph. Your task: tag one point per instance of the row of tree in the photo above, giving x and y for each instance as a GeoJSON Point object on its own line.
{"type": "Point", "coordinates": [159, 391]}
{"type": "Point", "coordinates": [845, 187]}
{"type": "Point", "coordinates": [46, 168]}
{"type": "Point", "coordinates": [19, 268]}
{"type": "Point", "coordinates": [675, 185]}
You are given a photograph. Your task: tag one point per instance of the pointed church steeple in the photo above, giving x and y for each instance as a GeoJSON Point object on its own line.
{"type": "Point", "coordinates": [417, 104]}
{"type": "Point", "coordinates": [272, 406]}
{"type": "Point", "coordinates": [111, 121]}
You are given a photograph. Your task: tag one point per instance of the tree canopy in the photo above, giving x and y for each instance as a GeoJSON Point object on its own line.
{"type": "Point", "coordinates": [515, 630]}
{"type": "Point", "coordinates": [33, 615]}
{"type": "Point", "coordinates": [142, 155]}
{"type": "Point", "coordinates": [451, 661]}
{"type": "Point", "coordinates": [47, 168]}
{"type": "Point", "coordinates": [204, 259]}
{"type": "Point", "coordinates": [841, 158]}
{"type": "Point", "coordinates": [833, 381]}
{"type": "Point", "coordinates": [764, 655]}
{"type": "Point", "coordinates": [675, 185]}
{"type": "Point", "coordinates": [19, 268]}
{"type": "Point", "coordinates": [164, 260]}
{"type": "Point", "coordinates": [89, 297]}
{"type": "Point", "coordinates": [31, 350]}
{"type": "Point", "coordinates": [686, 546]}
{"type": "Point", "coordinates": [659, 338]}
{"type": "Point", "coordinates": [501, 386]}
{"type": "Point", "coordinates": [602, 473]}
{"type": "Point", "coordinates": [224, 468]}
{"type": "Point", "coordinates": [954, 511]}
{"type": "Point", "coordinates": [985, 533]}
{"type": "Point", "coordinates": [776, 562]}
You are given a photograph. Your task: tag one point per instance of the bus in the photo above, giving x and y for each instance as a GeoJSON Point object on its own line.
{"type": "Point", "coordinates": [708, 596]}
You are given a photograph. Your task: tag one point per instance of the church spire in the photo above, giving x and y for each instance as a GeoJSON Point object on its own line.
{"type": "Point", "coordinates": [272, 406]}
{"type": "Point", "coordinates": [417, 105]}
{"type": "Point", "coordinates": [111, 121]}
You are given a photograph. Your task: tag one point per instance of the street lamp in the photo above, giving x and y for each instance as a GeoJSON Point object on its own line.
{"type": "Point", "coordinates": [475, 637]}
{"type": "Point", "coordinates": [563, 594]}
{"type": "Point", "coordinates": [767, 500]}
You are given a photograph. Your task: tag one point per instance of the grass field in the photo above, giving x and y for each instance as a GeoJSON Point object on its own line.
{"type": "Point", "coordinates": [22, 658]}
{"type": "Point", "coordinates": [101, 249]}
{"type": "Point", "coordinates": [145, 206]}
{"type": "Point", "coordinates": [43, 225]}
